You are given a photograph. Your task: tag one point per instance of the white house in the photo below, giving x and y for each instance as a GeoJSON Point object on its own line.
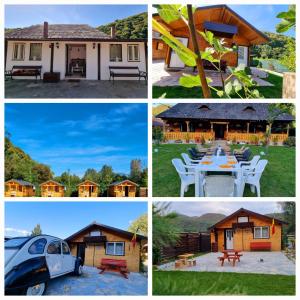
{"type": "Point", "coordinates": [75, 51]}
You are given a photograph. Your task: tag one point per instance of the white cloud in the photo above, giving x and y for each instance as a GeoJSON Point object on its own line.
{"type": "Point", "coordinates": [10, 231]}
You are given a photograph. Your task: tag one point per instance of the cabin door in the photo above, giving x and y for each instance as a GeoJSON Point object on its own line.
{"type": "Point", "coordinates": [219, 131]}
{"type": "Point", "coordinates": [175, 61]}
{"type": "Point", "coordinates": [81, 251]}
{"type": "Point", "coordinates": [126, 191]}
{"type": "Point", "coordinates": [229, 239]}
{"type": "Point", "coordinates": [243, 55]}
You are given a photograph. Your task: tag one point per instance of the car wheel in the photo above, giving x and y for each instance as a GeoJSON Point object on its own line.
{"type": "Point", "coordinates": [78, 270]}
{"type": "Point", "coordinates": [36, 290]}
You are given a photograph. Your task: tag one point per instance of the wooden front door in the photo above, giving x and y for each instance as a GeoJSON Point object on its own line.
{"type": "Point", "coordinates": [81, 251]}
{"type": "Point", "coordinates": [126, 191]}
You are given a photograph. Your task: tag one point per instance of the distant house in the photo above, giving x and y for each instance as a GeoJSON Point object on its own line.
{"type": "Point", "coordinates": [97, 241]}
{"type": "Point", "coordinates": [240, 122]}
{"type": "Point", "coordinates": [19, 188]}
{"type": "Point", "coordinates": [88, 188]}
{"type": "Point", "coordinates": [124, 188]}
{"type": "Point", "coordinates": [52, 188]}
{"type": "Point", "coordinates": [224, 23]}
{"type": "Point", "coordinates": [75, 51]}
{"type": "Point", "coordinates": [246, 230]}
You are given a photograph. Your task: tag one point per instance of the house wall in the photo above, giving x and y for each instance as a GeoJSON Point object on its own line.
{"type": "Point", "coordinates": [94, 253]}
{"type": "Point", "coordinates": [52, 193]}
{"type": "Point", "coordinates": [119, 190]}
{"type": "Point", "coordinates": [243, 237]}
{"type": "Point", "coordinates": [158, 53]}
{"type": "Point", "coordinates": [59, 63]}
{"type": "Point", "coordinates": [83, 191]}
{"type": "Point", "coordinates": [27, 191]}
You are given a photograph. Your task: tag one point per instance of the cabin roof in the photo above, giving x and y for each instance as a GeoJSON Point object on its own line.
{"type": "Point", "coordinates": [20, 182]}
{"type": "Point", "coordinates": [53, 181]}
{"type": "Point", "coordinates": [88, 181]}
{"type": "Point", "coordinates": [221, 15]}
{"type": "Point", "coordinates": [60, 32]}
{"type": "Point", "coordinates": [222, 111]}
{"type": "Point", "coordinates": [109, 228]}
{"type": "Point", "coordinates": [249, 212]}
{"type": "Point", "coordinates": [122, 181]}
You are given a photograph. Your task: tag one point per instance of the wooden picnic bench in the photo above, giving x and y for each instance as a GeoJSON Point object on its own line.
{"type": "Point", "coordinates": [114, 265]}
{"type": "Point", "coordinates": [26, 71]}
{"type": "Point", "coordinates": [118, 71]}
{"type": "Point", "coordinates": [262, 246]}
{"type": "Point", "coordinates": [233, 255]}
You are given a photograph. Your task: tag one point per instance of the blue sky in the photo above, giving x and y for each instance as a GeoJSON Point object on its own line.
{"type": "Point", "coordinates": [62, 219]}
{"type": "Point", "coordinates": [93, 15]}
{"type": "Point", "coordinates": [80, 136]}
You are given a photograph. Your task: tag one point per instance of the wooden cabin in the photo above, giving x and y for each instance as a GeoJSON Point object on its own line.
{"type": "Point", "coordinates": [234, 122]}
{"type": "Point", "coordinates": [19, 188]}
{"type": "Point", "coordinates": [97, 241]}
{"type": "Point", "coordinates": [88, 188]}
{"type": "Point", "coordinates": [52, 188]}
{"type": "Point", "coordinates": [125, 188]}
{"type": "Point", "coordinates": [224, 23]}
{"type": "Point", "coordinates": [246, 230]}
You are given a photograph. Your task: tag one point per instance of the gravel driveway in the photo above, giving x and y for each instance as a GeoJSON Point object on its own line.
{"type": "Point", "coordinates": [92, 283]}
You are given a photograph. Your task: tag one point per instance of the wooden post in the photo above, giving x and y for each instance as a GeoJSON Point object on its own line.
{"type": "Point", "coordinates": [164, 126]}
{"type": "Point", "coordinates": [212, 127]}
{"type": "Point", "coordinates": [248, 124]}
{"type": "Point", "coordinates": [187, 126]}
{"type": "Point", "coordinates": [51, 57]}
{"type": "Point", "coordinates": [192, 30]}
{"type": "Point", "coordinates": [288, 129]}
{"type": "Point", "coordinates": [227, 125]}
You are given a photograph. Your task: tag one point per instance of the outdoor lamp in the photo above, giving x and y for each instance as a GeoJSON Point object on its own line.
{"type": "Point", "coordinates": [57, 45]}
{"type": "Point", "coordinates": [94, 45]}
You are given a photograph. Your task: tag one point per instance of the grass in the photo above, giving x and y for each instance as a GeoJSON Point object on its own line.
{"type": "Point", "coordinates": [178, 92]}
{"type": "Point", "coordinates": [278, 179]}
{"type": "Point", "coordinates": [216, 283]}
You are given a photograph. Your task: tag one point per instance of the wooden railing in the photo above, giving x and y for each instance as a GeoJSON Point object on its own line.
{"type": "Point", "coordinates": [254, 137]}
{"type": "Point", "coordinates": [196, 136]}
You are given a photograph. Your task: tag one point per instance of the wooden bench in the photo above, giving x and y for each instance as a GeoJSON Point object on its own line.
{"type": "Point", "coordinates": [114, 265]}
{"type": "Point", "coordinates": [261, 246]}
{"type": "Point", "coordinates": [113, 72]}
{"type": "Point", "coordinates": [26, 71]}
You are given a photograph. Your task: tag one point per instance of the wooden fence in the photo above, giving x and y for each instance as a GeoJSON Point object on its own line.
{"type": "Point", "coordinates": [188, 243]}
{"type": "Point", "coordinates": [195, 136]}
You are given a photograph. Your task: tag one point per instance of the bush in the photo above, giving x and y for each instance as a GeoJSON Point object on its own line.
{"type": "Point", "coordinates": [254, 62]}
{"type": "Point", "coordinates": [248, 71]}
{"type": "Point", "coordinates": [254, 139]}
{"type": "Point", "coordinates": [290, 141]}
{"type": "Point", "coordinates": [157, 134]}
{"type": "Point", "coordinates": [202, 140]}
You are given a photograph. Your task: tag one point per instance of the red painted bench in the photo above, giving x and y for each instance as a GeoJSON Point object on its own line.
{"type": "Point", "coordinates": [266, 246]}
{"type": "Point", "coordinates": [114, 265]}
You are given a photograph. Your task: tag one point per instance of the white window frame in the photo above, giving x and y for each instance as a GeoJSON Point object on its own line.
{"type": "Point", "coordinates": [114, 251]}
{"type": "Point", "coordinates": [135, 59]}
{"type": "Point", "coordinates": [121, 58]}
{"type": "Point", "coordinates": [261, 230]}
{"type": "Point", "coordinates": [41, 45]}
{"type": "Point", "coordinates": [242, 217]}
{"type": "Point", "coordinates": [95, 233]}
{"type": "Point", "coordinates": [18, 58]}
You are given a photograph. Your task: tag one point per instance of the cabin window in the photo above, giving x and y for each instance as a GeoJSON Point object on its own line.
{"type": "Point", "coordinates": [20, 188]}
{"type": "Point", "coordinates": [54, 248]}
{"type": "Point", "coordinates": [65, 248]}
{"type": "Point", "coordinates": [95, 233]}
{"type": "Point", "coordinates": [56, 189]}
{"type": "Point", "coordinates": [115, 52]}
{"type": "Point", "coordinates": [19, 51]}
{"type": "Point", "coordinates": [204, 107]}
{"type": "Point", "coordinates": [243, 219]}
{"type": "Point", "coordinates": [261, 232]}
{"type": "Point", "coordinates": [115, 248]}
{"type": "Point", "coordinates": [133, 52]}
{"type": "Point", "coordinates": [37, 247]}
{"type": "Point", "coordinates": [249, 108]}
{"type": "Point", "coordinates": [35, 51]}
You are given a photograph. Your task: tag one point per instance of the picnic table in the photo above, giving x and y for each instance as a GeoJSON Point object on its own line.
{"type": "Point", "coordinates": [114, 265]}
{"type": "Point", "coordinates": [230, 254]}
{"type": "Point", "coordinates": [184, 257]}
{"type": "Point", "coordinates": [221, 163]}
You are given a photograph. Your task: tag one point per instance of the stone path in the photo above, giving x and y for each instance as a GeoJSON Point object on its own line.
{"type": "Point", "coordinates": [19, 88]}
{"type": "Point", "coordinates": [251, 262]}
{"type": "Point", "coordinates": [161, 77]}
{"type": "Point", "coordinates": [92, 283]}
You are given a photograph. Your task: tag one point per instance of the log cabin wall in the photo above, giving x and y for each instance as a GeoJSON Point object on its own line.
{"type": "Point", "coordinates": [243, 237]}
{"type": "Point", "coordinates": [14, 189]}
{"type": "Point", "coordinates": [159, 49]}
{"type": "Point", "coordinates": [95, 252]}
{"type": "Point", "coordinates": [52, 189]}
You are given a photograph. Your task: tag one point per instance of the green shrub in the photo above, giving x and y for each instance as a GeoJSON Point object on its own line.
{"type": "Point", "coordinates": [290, 141]}
{"type": "Point", "coordinates": [202, 140]}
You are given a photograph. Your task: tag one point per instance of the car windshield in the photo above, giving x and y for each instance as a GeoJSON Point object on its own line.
{"type": "Point", "coordinates": [16, 242]}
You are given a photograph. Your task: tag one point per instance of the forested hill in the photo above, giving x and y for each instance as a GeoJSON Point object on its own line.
{"type": "Point", "coordinates": [134, 27]}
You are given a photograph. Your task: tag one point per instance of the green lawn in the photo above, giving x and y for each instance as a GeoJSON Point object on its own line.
{"type": "Point", "coordinates": [177, 92]}
{"type": "Point", "coordinates": [216, 283]}
{"type": "Point", "coordinates": [278, 179]}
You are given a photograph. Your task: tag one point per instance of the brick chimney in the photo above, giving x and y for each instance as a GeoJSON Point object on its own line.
{"type": "Point", "coordinates": [113, 31]}
{"type": "Point", "coordinates": [45, 30]}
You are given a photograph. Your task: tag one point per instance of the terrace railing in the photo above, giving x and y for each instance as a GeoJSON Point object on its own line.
{"type": "Point", "coordinates": [196, 136]}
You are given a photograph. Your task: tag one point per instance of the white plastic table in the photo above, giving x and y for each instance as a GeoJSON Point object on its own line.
{"type": "Point", "coordinates": [216, 161]}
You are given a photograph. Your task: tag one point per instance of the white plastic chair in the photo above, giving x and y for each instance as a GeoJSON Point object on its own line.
{"type": "Point", "coordinates": [253, 177]}
{"type": "Point", "coordinates": [248, 166]}
{"type": "Point", "coordinates": [188, 161]}
{"type": "Point", "coordinates": [219, 186]}
{"type": "Point", "coordinates": [187, 177]}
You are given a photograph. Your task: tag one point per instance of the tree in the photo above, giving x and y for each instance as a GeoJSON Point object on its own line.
{"type": "Point", "coordinates": [289, 212]}
{"type": "Point", "coordinates": [91, 174]}
{"type": "Point", "coordinates": [106, 176]}
{"type": "Point", "coordinates": [164, 233]}
{"type": "Point", "coordinates": [42, 173]}
{"type": "Point", "coordinates": [157, 134]}
{"type": "Point", "coordinates": [136, 170]}
{"type": "Point", "coordinates": [140, 225]}
{"type": "Point", "coordinates": [288, 20]}
{"type": "Point", "coordinates": [144, 178]}
{"type": "Point", "coordinates": [36, 230]}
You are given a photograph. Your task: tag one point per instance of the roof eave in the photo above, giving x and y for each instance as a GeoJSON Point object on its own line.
{"type": "Point", "coordinates": [76, 39]}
